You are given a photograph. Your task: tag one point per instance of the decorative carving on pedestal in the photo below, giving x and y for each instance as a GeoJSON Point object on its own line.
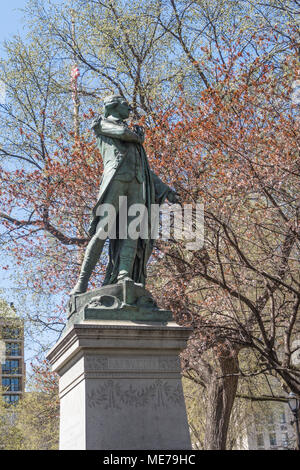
{"type": "Point", "coordinates": [112, 394]}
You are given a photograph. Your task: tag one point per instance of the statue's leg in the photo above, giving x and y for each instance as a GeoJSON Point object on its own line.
{"type": "Point", "coordinates": [127, 256]}
{"type": "Point", "coordinates": [92, 254]}
{"type": "Point", "coordinates": [95, 246]}
{"type": "Point", "coordinates": [135, 195]}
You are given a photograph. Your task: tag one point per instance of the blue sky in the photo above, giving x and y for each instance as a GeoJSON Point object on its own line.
{"type": "Point", "coordinates": [11, 19]}
{"type": "Point", "coordinates": [11, 23]}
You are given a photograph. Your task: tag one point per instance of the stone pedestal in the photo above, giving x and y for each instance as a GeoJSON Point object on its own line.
{"type": "Point", "coordinates": [120, 385]}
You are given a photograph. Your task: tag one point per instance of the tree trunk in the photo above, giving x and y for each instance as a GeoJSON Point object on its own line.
{"type": "Point", "coordinates": [221, 392]}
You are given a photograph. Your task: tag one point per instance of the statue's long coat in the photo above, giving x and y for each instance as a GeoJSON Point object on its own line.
{"type": "Point", "coordinates": [114, 149]}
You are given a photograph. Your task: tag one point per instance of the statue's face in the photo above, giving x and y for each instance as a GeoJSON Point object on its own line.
{"type": "Point", "coordinates": [123, 109]}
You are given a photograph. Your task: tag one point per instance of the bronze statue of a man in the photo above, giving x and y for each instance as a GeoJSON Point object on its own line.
{"type": "Point", "coordinates": [126, 174]}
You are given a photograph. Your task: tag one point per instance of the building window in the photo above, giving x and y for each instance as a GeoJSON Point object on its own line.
{"type": "Point", "coordinates": [282, 418]}
{"type": "Point", "coordinates": [13, 349]}
{"type": "Point", "coordinates": [11, 366]}
{"type": "Point", "coordinates": [285, 439]}
{"type": "Point", "coordinates": [11, 333]}
{"type": "Point", "coordinates": [260, 441]}
{"type": "Point", "coordinates": [270, 418]}
{"type": "Point", "coordinates": [272, 437]}
{"type": "Point", "coordinates": [11, 398]}
{"type": "Point", "coordinates": [11, 384]}
{"type": "Point", "coordinates": [15, 384]}
{"type": "Point", "coordinates": [5, 383]}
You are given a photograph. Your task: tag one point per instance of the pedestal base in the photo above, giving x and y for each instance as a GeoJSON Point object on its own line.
{"type": "Point", "coordinates": [120, 386]}
{"type": "Point", "coordinates": [125, 301]}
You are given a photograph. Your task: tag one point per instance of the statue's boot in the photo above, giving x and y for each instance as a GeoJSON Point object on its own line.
{"type": "Point", "coordinates": [124, 276]}
{"type": "Point", "coordinates": [91, 257]}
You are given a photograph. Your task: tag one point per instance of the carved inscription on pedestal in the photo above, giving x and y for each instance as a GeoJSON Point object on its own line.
{"type": "Point", "coordinates": [103, 363]}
